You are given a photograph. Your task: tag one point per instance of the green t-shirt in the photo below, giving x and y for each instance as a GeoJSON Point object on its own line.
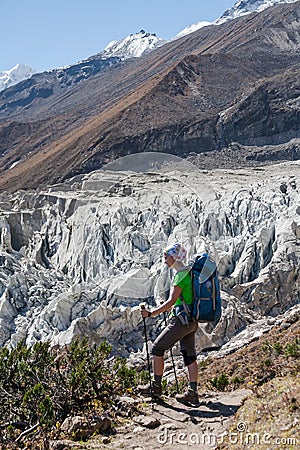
{"type": "Point", "coordinates": [183, 280]}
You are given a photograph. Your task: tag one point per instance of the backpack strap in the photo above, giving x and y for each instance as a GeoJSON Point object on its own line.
{"type": "Point", "coordinates": [185, 306]}
{"type": "Point", "coordinates": [213, 292]}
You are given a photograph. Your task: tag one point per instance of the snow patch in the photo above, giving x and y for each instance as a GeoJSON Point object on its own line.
{"type": "Point", "coordinates": [192, 28]}
{"type": "Point", "coordinates": [243, 7]}
{"type": "Point", "coordinates": [133, 46]}
{"type": "Point", "coordinates": [13, 165]}
{"type": "Point", "coordinates": [14, 75]}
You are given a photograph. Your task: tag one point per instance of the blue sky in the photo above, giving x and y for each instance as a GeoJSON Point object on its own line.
{"type": "Point", "coordinates": [55, 33]}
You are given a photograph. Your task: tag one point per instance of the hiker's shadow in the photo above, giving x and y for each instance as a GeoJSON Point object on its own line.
{"type": "Point", "coordinates": [205, 409]}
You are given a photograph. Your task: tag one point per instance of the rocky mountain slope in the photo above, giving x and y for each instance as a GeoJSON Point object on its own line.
{"type": "Point", "coordinates": [230, 86]}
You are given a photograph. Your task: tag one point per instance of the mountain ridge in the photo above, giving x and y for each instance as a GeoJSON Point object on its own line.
{"type": "Point", "coordinates": [135, 45]}
{"type": "Point", "coordinates": [189, 72]}
{"type": "Point", "coordinates": [244, 7]}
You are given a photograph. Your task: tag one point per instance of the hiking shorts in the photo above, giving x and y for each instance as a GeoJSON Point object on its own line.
{"type": "Point", "coordinates": [173, 333]}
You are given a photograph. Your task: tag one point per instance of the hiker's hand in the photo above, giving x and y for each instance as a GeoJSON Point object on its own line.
{"type": "Point", "coordinates": [145, 312]}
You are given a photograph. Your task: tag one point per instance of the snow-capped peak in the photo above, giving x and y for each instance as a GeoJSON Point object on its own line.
{"type": "Point", "coordinates": [191, 29]}
{"type": "Point", "coordinates": [243, 7]}
{"type": "Point", "coordinates": [133, 46]}
{"type": "Point", "coordinates": [138, 44]}
{"type": "Point", "coordinates": [14, 75]}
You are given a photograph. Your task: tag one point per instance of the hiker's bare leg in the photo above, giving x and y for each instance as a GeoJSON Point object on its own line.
{"type": "Point", "coordinates": [158, 365]}
{"type": "Point", "coordinates": [193, 371]}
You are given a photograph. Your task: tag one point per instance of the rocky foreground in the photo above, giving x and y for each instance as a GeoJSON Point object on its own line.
{"type": "Point", "coordinates": [248, 399]}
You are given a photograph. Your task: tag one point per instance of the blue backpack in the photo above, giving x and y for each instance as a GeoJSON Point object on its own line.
{"type": "Point", "coordinates": [206, 305]}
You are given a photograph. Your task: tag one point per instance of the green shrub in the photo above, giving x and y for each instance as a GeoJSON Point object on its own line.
{"type": "Point", "coordinates": [236, 381]}
{"type": "Point", "coordinates": [171, 389]}
{"type": "Point", "coordinates": [292, 349]}
{"type": "Point", "coordinates": [266, 363]}
{"type": "Point", "coordinates": [220, 383]}
{"type": "Point", "coordinates": [278, 347]}
{"type": "Point", "coordinates": [41, 386]}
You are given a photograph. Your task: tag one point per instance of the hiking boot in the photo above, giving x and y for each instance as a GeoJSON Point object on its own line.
{"type": "Point", "coordinates": [146, 389]}
{"type": "Point", "coordinates": [190, 397]}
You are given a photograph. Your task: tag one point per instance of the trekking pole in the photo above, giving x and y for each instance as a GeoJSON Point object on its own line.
{"type": "Point", "coordinates": [148, 357]}
{"type": "Point", "coordinates": [172, 358]}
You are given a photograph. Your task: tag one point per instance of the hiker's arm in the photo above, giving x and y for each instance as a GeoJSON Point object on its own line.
{"type": "Point", "coordinates": [175, 294]}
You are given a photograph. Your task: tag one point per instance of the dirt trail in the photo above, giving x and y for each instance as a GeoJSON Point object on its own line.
{"type": "Point", "coordinates": [170, 425]}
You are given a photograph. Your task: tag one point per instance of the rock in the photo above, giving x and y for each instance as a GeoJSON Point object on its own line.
{"type": "Point", "coordinates": [137, 430]}
{"type": "Point", "coordinates": [285, 325]}
{"type": "Point", "coordinates": [77, 425]}
{"type": "Point", "coordinates": [81, 427]}
{"type": "Point", "coordinates": [100, 424]}
{"type": "Point", "coordinates": [147, 421]}
{"type": "Point", "coordinates": [63, 444]}
{"type": "Point", "coordinates": [171, 426]}
{"type": "Point", "coordinates": [126, 405]}
{"type": "Point", "coordinates": [127, 402]}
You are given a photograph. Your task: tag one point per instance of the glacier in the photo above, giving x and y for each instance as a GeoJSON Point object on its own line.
{"type": "Point", "coordinates": [78, 258]}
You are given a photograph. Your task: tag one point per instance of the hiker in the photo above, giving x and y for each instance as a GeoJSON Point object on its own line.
{"type": "Point", "coordinates": [179, 327]}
